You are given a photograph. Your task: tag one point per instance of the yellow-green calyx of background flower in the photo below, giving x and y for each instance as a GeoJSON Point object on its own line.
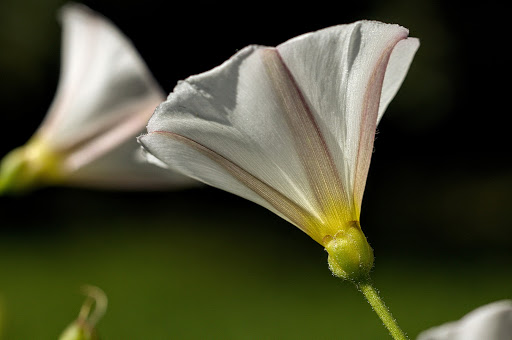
{"type": "Point", "coordinates": [29, 166]}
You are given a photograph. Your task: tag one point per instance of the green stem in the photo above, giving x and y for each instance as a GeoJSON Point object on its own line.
{"type": "Point", "coordinates": [371, 294]}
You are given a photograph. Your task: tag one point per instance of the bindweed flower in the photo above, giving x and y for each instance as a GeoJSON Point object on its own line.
{"type": "Point", "coordinates": [489, 322]}
{"type": "Point", "coordinates": [104, 98]}
{"type": "Point", "coordinates": [93, 309]}
{"type": "Point", "coordinates": [291, 128]}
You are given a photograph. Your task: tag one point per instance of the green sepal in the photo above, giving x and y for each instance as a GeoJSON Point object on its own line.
{"type": "Point", "coordinates": [350, 255]}
{"type": "Point", "coordinates": [28, 167]}
{"type": "Point", "coordinates": [78, 331]}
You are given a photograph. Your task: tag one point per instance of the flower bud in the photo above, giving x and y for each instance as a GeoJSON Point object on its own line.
{"type": "Point", "coordinates": [79, 331]}
{"type": "Point", "coordinates": [83, 328]}
{"type": "Point", "coordinates": [350, 255]}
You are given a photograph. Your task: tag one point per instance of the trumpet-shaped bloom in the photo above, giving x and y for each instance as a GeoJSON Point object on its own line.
{"type": "Point", "coordinates": [290, 128]}
{"type": "Point", "coordinates": [104, 98]}
{"type": "Point", "coordinates": [492, 321]}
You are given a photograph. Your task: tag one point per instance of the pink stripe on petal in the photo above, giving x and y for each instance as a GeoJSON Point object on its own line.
{"type": "Point", "coordinates": [311, 147]}
{"type": "Point", "coordinates": [369, 116]}
{"type": "Point", "coordinates": [281, 203]}
{"type": "Point", "coordinates": [109, 136]}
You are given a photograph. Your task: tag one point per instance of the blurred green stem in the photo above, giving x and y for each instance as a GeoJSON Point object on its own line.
{"type": "Point", "coordinates": [371, 294]}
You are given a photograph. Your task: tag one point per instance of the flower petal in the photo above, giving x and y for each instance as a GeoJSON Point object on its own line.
{"type": "Point", "coordinates": [103, 80]}
{"type": "Point", "coordinates": [235, 111]}
{"type": "Point", "coordinates": [124, 167]}
{"type": "Point", "coordinates": [206, 165]}
{"type": "Point", "coordinates": [492, 321]}
{"type": "Point", "coordinates": [310, 144]}
{"type": "Point", "coordinates": [398, 65]}
{"type": "Point", "coordinates": [340, 71]}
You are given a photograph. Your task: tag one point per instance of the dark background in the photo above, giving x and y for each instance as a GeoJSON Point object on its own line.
{"type": "Point", "coordinates": [436, 208]}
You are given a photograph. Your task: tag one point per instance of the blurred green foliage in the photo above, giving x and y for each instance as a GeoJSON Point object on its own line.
{"type": "Point", "coordinates": [181, 268]}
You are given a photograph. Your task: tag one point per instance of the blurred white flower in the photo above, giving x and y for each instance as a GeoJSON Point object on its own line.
{"type": "Point", "coordinates": [291, 128]}
{"type": "Point", "coordinates": [104, 98]}
{"type": "Point", "coordinates": [489, 322]}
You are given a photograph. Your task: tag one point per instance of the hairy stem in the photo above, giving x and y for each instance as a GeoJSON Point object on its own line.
{"type": "Point", "coordinates": [371, 294]}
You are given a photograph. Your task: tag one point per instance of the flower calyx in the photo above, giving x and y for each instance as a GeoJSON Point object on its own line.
{"type": "Point", "coordinates": [350, 255]}
{"type": "Point", "coordinates": [83, 328]}
{"type": "Point", "coordinates": [28, 166]}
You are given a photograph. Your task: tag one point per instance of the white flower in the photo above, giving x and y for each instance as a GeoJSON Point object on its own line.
{"type": "Point", "coordinates": [489, 322]}
{"type": "Point", "coordinates": [290, 128]}
{"type": "Point", "coordinates": [104, 98]}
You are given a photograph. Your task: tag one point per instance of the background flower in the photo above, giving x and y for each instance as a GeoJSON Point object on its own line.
{"type": "Point", "coordinates": [104, 98]}
{"type": "Point", "coordinates": [492, 321]}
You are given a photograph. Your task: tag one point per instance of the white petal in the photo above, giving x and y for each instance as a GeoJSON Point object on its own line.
{"type": "Point", "coordinates": [103, 81]}
{"type": "Point", "coordinates": [492, 321]}
{"type": "Point", "coordinates": [205, 165]}
{"type": "Point", "coordinates": [126, 168]}
{"type": "Point", "coordinates": [235, 111]}
{"type": "Point", "coordinates": [398, 65]}
{"type": "Point", "coordinates": [340, 71]}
